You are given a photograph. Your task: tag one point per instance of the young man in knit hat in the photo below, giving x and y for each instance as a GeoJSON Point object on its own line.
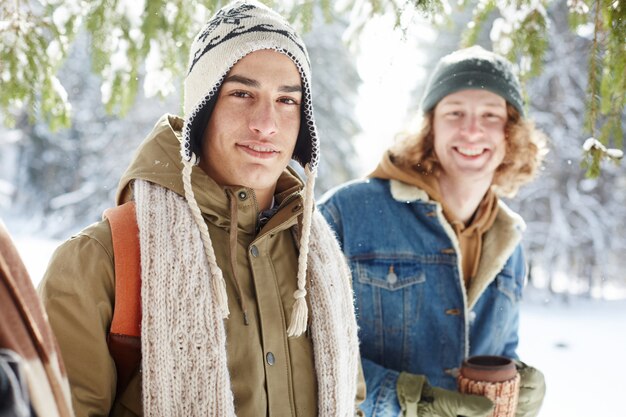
{"type": "Point", "coordinates": [437, 265]}
{"type": "Point", "coordinates": [246, 301]}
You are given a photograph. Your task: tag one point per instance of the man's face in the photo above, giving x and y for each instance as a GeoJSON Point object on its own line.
{"type": "Point", "coordinates": [254, 126]}
{"type": "Point", "coordinates": [469, 135]}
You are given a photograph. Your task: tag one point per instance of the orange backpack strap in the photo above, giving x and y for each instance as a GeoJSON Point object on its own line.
{"type": "Point", "coordinates": [124, 337]}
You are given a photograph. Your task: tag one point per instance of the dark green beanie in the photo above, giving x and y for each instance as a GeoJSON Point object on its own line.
{"type": "Point", "coordinates": [473, 68]}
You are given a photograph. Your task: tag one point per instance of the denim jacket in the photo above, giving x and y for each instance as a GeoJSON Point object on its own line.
{"type": "Point", "coordinates": [413, 310]}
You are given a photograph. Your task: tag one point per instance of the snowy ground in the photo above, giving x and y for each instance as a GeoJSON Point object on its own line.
{"type": "Point", "coordinates": [579, 345]}
{"type": "Point", "coordinates": [581, 348]}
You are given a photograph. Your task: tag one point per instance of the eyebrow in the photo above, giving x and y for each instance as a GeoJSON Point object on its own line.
{"type": "Point", "coordinates": [255, 84]}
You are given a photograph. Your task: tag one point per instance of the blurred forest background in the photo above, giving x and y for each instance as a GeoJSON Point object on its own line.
{"type": "Point", "coordinates": [64, 144]}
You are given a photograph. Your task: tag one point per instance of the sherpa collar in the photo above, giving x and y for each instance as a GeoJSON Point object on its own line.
{"type": "Point", "coordinates": [499, 241]}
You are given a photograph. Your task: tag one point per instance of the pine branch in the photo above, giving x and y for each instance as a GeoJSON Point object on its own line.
{"type": "Point", "coordinates": [34, 42]}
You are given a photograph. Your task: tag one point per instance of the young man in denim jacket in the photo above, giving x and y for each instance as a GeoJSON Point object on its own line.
{"type": "Point", "coordinates": [437, 265]}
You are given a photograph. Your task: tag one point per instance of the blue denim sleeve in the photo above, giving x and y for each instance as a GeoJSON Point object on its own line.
{"type": "Point", "coordinates": [328, 209]}
{"type": "Point", "coordinates": [511, 342]}
{"type": "Point", "coordinates": [520, 269]}
{"type": "Point", "coordinates": [381, 399]}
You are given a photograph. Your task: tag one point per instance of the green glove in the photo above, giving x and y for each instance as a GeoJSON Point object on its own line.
{"type": "Point", "coordinates": [532, 389]}
{"type": "Point", "coordinates": [418, 398]}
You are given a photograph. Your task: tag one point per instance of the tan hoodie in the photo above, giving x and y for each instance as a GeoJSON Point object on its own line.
{"type": "Point", "coordinates": [471, 235]}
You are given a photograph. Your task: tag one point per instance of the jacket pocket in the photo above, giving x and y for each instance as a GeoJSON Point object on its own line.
{"type": "Point", "coordinates": [389, 294]}
{"type": "Point", "coordinates": [389, 274]}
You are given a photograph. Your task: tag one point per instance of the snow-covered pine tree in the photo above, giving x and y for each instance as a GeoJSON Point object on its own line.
{"type": "Point", "coordinates": [57, 182]}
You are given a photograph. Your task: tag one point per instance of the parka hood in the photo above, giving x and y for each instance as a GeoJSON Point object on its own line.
{"type": "Point", "coordinates": [157, 159]}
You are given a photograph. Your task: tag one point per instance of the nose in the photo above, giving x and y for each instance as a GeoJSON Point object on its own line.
{"type": "Point", "coordinates": [262, 119]}
{"type": "Point", "coordinates": [472, 126]}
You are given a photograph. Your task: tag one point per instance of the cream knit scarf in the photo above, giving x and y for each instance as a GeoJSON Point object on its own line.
{"type": "Point", "coordinates": [183, 340]}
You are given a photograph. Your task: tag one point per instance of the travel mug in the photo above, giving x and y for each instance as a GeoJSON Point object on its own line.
{"type": "Point", "coordinates": [494, 377]}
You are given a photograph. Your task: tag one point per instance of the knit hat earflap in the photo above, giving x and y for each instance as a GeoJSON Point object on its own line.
{"type": "Point", "coordinates": [235, 31]}
{"type": "Point", "coordinates": [473, 68]}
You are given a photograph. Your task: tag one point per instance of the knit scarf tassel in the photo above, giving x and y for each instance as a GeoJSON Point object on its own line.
{"type": "Point", "coordinates": [300, 314]}
{"type": "Point", "coordinates": [217, 278]}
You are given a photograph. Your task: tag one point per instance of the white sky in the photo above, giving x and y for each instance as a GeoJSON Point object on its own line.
{"type": "Point", "coordinates": [389, 65]}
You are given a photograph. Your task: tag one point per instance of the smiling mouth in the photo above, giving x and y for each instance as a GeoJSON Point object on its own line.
{"type": "Point", "coordinates": [259, 148]}
{"type": "Point", "coordinates": [258, 151]}
{"type": "Point", "coordinates": [470, 151]}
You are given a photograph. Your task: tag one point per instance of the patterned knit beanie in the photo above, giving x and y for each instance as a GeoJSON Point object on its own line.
{"type": "Point", "coordinates": [237, 30]}
{"type": "Point", "coordinates": [473, 68]}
